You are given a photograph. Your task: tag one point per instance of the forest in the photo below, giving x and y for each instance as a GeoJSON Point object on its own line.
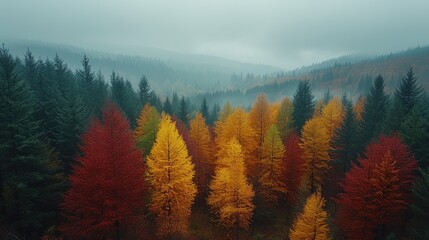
{"type": "Point", "coordinates": [82, 157]}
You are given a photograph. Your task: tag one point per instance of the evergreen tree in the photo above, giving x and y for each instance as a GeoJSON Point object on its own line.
{"type": "Point", "coordinates": [167, 108]}
{"type": "Point", "coordinates": [86, 79]}
{"type": "Point", "coordinates": [303, 105]}
{"type": "Point", "coordinates": [29, 173]}
{"type": "Point", "coordinates": [183, 112]}
{"type": "Point", "coordinates": [144, 91]}
{"type": "Point", "coordinates": [420, 207]}
{"type": "Point", "coordinates": [374, 113]}
{"type": "Point", "coordinates": [406, 97]}
{"type": "Point", "coordinates": [124, 95]}
{"type": "Point", "coordinates": [214, 114]}
{"type": "Point", "coordinates": [175, 102]}
{"type": "Point", "coordinates": [204, 109]}
{"type": "Point", "coordinates": [100, 94]}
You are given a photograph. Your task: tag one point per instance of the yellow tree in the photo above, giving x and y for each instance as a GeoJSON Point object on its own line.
{"type": "Point", "coordinates": [274, 112]}
{"type": "Point", "coordinates": [272, 167]}
{"type": "Point", "coordinates": [312, 222]}
{"type": "Point", "coordinates": [202, 154]}
{"type": "Point", "coordinates": [318, 108]}
{"type": "Point", "coordinates": [358, 108]}
{"type": "Point", "coordinates": [284, 117]}
{"type": "Point", "coordinates": [170, 173]}
{"type": "Point", "coordinates": [332, 116]}
{"type": "Point", "coordinates": [237, 126]}
{"type": "Point", "coordinates": [147, 128]}
{"type": "Point", "coordinates": [315, 145]}
{"type": "Point", "coordinates": [260, 121]}
{"type": "Point", "coordinates": [231, 195]}
{"type": "Point", "coordinates": [225, 112]}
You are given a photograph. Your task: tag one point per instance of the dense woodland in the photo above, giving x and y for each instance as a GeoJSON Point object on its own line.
{"type": "Point", "coordinates": [82, 157]}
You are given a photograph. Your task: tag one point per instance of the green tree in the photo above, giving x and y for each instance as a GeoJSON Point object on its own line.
{"type": "Point", "coordinates": [204, 109]}
{"type": "Point", "coordinates": [144, 91]}
{"type": "Point", "coordinates": [183, 112]}
{"type": "Point", "coordinates": [420, 207]}
{"type": "Point", "coordinates": [167, 108]}
{"type": "Point", "coordinates": [303, 105]}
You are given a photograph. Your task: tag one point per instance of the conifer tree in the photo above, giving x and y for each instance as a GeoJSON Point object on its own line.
{"type": "Point", "coordinates": [147, 128]}
{"type": "Point", "coordinates": [167, 108]}
{"type": "Point", "coordinates": [293, 166]}
{"type": "Point", "coordinates": [204, 109]}
{"type": "Point", "coordinates": [303, 105]}
{"type": "Point", "coordinates": [332, 116]}
{"type": "Point", "coordinates": [259, 118]}
{"type": "Point", "coordinates": [272, 167]}
{"type": "Point", "coordinates": [420, 207]}
{"type": "Point", "coordinates": [315, 145]}
{"type": "Point", "coordinates": [312, 223]}
{"type": "Point", "coordinates": [144, 91]}
{"type": "Point", "coordinates": [231, 195]}
{"type": "Point", "coordinates": [284, 118]}
{"type": "Point", "coordinates": [170, 176]}
{"type": "Point", "coordinates": [107, 186]}
{"type": "Point", "coordinates": [183, 112]}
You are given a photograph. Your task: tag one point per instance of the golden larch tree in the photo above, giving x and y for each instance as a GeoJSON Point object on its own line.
{"type": "Point", "coordinates": [274, 112]}
{"type": "Point", "coordinates": [332, 116]}
{"type": "Point", "coordinates": [272, 167]}
{"type": "Point", "coordinates": [358, 107]}
{"type": "Point", "coordinates": [231, 195]}
{"type": "Point", "coordinates": [202, 154]}
{"type": "Point", "coordinates": [260, 121]}
{"type": "Point", "coordinates": [320, 104]}
{"type": "Point", "coordinates": [170, 173]}
{"type": "Point", "coordinates": [237, 126]}
{"type": "Point", "coordinates": [225, 112]}
{"type": "Point", "coordinates": [312, 222]}
{"type": "Point", "coordinates": [315, 145]}
{"type": "Point", "coordinates": [147, 128]}
{"type": "Point", "coordinates": [284, 117]}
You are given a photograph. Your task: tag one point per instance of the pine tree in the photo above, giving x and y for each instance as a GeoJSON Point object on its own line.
{"type": "Point", "coordinates": [284, 118]}
{"type": "Point", "coordinates": [226, 111]}
{"type": "Point", "coordinates": [374, 113]}
{"type": "Point", "coordinates": [167, 108]}
{"type": "Point", "coordinates": [231, 196]}
{"type": "Point", "coordinates": [420, 207]}
{"type": "Point", "coordinates": [214, 115]}
{"type": "Point", "coordinates": [406, 97]}
{"type": "Point", "coordinates": [30, 175]}
{"type": "Point", "coordinates": [183, 112]}
{"type": "Point", "coordinates": [144, 91]}
{"type": "Point", "coordinates": [332, 116]}
{"type": "Point", "coordinates": [202, 156]}
{"type": "Point", "coordinates": [312, 223]}
{"type": "Point", "coordinates": [204, 109]}
{"type": "Point", "coordinates": [272, 167]}
{"type": "Point", "coordinates": [170, 174]}
{"type": "Point", "coordinates": [175, 102]}
{"type": "Point", "coordinates": [107, 185]}
{"type": "Point", "coordinates": [147, 128]}
{"type": "Point", "coordinates": [303, 105]}
{"type": "Point", "coordinates": [315, 145]}
{"type": "Point", "coordinates": [86, 79]}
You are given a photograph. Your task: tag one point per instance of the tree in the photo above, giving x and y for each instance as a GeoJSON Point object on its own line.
{"type": "Point", "coordinates": [167, 108]}
{"type": "Point", "coordinates": [303, 105]}
{"type": "Point", "coordinates": [259, 118]}
{"type": "Point", "coordinates": [312, 222]}
{"type": "Point", "coordinates": [271, 166]}
{"type": "Point", "coordinates": [125, 97]}
{"type": "Point", "coordinates": [86, 81]}
{"type": "Point", "coordinates": [214, 115]}
{"type": "Point", "coordinates": [170, 174]}
{"type": "Point", "coordinates": [231, 196]}
{"type": "Point", "coordinates": [226, 111]}
{"type": "Point", "coordinates": [332, 116]}
{"type": "Point", "coordinates": [284, 118]}
{"type": "Point", "coordinates": [377, 190]}
{"type": "Point", "coordinates": [408, 95]}
{"type": "Point", "coordinates": [374, 113]}
{"type": "Point", "coordinates": [147, 128]}
{"type": "Point", "coordinates": [202, 156]}
{"type": "Point", "coordinates": [237, 126]}
{"type": "Point", "coordinates": [315, 145]}
{"type": "Point", "coordinates": [358, 107]}
{"type": "Point", "coordinates": [420, 207]}
{"type": "Point", "coordinates": [183, 112]}
{"type": "Point", "coordinates": [144, 91]}
{"type": "Point", "coordinates": [30, 175]}
{"type": "Point", "coordinates": [107, 184]}
{"type": "Point", "coordinates": [293, 166]}
{"type": "Point", "coordinates": [204, 109]}
{"type": "Point", "coordinates": [175, 102]}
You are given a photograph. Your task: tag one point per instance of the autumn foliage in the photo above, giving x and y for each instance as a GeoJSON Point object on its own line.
{"type": "Point", "coordinates": [377, 190]}
{"type": "Point", "coordinates": [312, 222]}
{"type": "Point", "coordinates": [170, 177]}
{"type": "Point", "coordinates": [107, 182]}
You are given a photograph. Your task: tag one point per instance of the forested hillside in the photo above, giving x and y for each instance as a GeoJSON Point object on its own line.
{"type": "Point", "coordinates": [89, 156]}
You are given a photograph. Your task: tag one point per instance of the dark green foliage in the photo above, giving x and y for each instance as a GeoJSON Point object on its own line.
{"type": "Point", "coordinates": [303, 105]}
{"type": "Point", "coordinates": [30, 175]}
{"type": "Point", "coordinates": [175, 102]}
{"type": "Point", "coordinates": [204, 109]}
{"type": "Point", "coordinates": [167, 108]}
{"type": "Point", "coordinates": [86, 79]}
{"type": "Point", "coordinates": [374, 113]}
{"type": "Point", "coordinates": [214, 115]}
{"type": "Point", "coordinates": [406, 97]}
{"type": "Point", "coordinates": [420, 208]}
{"type": "Point", "coordinates": [125, 97]}
{"type": "Point", "coordinates": [344, 142]}
{"type": "Point", "coordinates": [100, 94]}
{"type": "Point", "coordinates": [183, 112]}
{"type": "Point", "coordinates": [144, 91]}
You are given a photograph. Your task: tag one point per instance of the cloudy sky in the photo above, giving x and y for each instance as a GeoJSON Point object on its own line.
{"type": "Point", "coordinates": [283, 33]}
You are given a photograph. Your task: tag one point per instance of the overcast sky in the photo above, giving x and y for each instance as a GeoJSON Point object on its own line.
{"type": "Point", "coordinates": [283, 33]}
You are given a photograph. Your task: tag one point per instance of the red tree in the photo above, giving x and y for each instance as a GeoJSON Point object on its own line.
{"type": "Point", "coordinates": [294, 166]}
{"type": "Point", "coordinates": [107, 183]}
{"type": "Point", "coordinates": [377, 192]}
